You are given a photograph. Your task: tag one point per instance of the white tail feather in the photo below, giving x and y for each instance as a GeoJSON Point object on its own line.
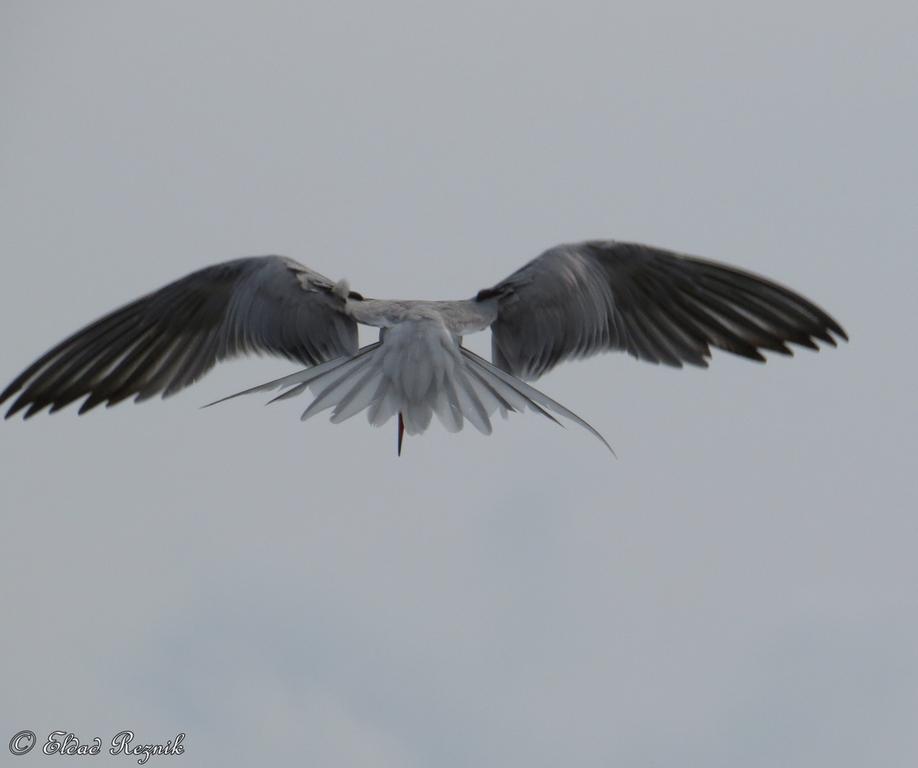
{"type": "Point", "coordinates": [417, 369]}
{"type": "Point", "coordinates": [383, 407]}
{"type": "Point", "coordinates": [305, 376]}
{"type": "Point", "coordinates": [534, 396]}
{"type": "Point", "coordinates": [359, 397]}
{"type": "Point", "coordinates": [336, 386]}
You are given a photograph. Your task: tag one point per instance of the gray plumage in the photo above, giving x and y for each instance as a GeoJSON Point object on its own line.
{"type": "Point", "coordinates": [656, 305]}
{"type": "Point", "coordinates": [572, 301]}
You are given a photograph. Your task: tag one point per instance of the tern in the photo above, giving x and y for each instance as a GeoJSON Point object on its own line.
{"type": "Point", "coordinates": [572, 301]}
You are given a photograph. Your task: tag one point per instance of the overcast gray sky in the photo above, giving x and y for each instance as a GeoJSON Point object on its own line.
{"type": "Point", "coordinates": [739, 588]}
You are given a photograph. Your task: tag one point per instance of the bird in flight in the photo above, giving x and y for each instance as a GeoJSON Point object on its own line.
{"type": "Point", "coordinates": [572, 301]}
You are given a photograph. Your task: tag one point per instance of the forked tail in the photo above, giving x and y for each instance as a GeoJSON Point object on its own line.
{"type": "Point", "coordinates": [385, 380]}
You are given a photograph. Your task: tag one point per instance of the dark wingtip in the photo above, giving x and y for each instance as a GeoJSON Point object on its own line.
{"type": "Point", "coordinates": [830, 333]}
{"type": "Point", "coordinates": [34, 408]}
{"type": "Point", "coordinates": [89, 403]}
{"type": "Point", "coordinates": [8, 392]}
{"type": "Point", "coordinates": [17, 406]}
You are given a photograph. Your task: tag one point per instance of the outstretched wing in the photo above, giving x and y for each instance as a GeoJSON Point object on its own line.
{"type": "Point", "coordinates": [660, 306]}
{"type": "Point", "coordinates": [168, 339]}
